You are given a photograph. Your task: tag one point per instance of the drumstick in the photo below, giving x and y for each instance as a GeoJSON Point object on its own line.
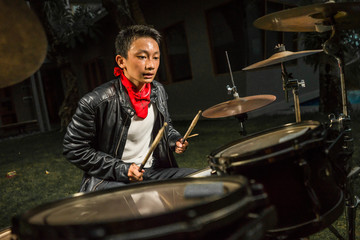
{"type": "Point", "coordinates": [153, 145]}
{"type": "Point", "coordinates": [194, 135]}
{"type": "Point", "coordinates": [191, 127]}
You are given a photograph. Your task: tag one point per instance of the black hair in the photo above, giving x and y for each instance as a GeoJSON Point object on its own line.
{"type": "Point", "coordinates": [127, 35]}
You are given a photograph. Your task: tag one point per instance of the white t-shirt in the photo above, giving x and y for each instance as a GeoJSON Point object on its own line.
{"type": "Point", "coordinates": [139, 138]}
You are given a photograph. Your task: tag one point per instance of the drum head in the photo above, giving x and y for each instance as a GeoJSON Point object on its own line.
{"type": "Point", "coordinates": [267, 142]}
{"type": "Point", "coordinates": [146, 210]}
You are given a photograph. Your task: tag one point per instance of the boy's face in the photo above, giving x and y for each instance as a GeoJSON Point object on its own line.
{"type": "Point", "coordinates": [142, 62]}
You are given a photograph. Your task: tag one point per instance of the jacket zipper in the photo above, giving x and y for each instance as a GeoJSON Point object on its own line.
{"type": "Point", "coordinates": [85, 182]}
{"type": "Point", "coordinates": [96, 186]}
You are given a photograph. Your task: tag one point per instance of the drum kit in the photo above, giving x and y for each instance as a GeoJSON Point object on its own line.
{"type": "Point", "coordinates": [283, 183]}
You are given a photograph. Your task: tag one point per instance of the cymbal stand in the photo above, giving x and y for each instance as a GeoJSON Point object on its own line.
{"type": "Point", "coordinates": [343, 124]}
{"type": "Point", "coordinates": [241, 118]}
{"type": "Point", "coordinates": [292, 84]}
{"type": "Point", "coordinates": [233, 90]}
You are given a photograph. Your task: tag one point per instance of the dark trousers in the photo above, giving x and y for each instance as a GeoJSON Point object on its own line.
{"type": "Point", "coordinates": [149, 174]}
{"type": "Point", "coordinates": [166, 173]}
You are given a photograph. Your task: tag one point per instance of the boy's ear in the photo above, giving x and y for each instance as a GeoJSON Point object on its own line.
{"type": "Point", "coordinates": [120, 60]}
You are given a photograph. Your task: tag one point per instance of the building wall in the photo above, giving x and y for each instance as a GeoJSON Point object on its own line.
{"type": "Point", "coordinates": [206, 88]}
{"type": "Point", "coordinates": [24, 104]}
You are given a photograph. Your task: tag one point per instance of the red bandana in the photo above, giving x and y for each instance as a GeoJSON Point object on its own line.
{"type": "Point", "coordinates": [139, 99]}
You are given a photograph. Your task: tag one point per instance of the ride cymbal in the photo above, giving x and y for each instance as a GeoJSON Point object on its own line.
{"type": "Point", "coordinates": [23, 43]}
{"type": "Point", "coordinates": [281, 57]}
{"type": "Point", "coordinates": [238, 106]}
{"type": "Point", "coordinates": [311, 18]}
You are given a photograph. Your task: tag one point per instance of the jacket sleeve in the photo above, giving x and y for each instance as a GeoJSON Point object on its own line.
{"type": "Point", "coordinates": [79, 147]}
{"type": "Point", "coordinates": [172, 134]}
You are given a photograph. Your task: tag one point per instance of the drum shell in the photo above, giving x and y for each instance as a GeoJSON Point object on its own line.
{"type": "Point", "coordinates": [296, 175]}
{"type": "Point", "coordinates": [193, 222]}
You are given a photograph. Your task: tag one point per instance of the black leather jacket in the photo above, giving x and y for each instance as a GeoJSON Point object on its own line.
{"type": "Point", "coordinates": [96, 136]}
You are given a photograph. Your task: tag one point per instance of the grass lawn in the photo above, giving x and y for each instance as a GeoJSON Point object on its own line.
{"type": "Point", "coordinates": [43, 175]}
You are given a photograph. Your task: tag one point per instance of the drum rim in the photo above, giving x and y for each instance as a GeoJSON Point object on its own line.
{"type": "Point", "coordinates": [4, 232]}
{"type": "Point", "coordinates": [219, 204]}
{"type": "Point", "coordinates": [261, 154]}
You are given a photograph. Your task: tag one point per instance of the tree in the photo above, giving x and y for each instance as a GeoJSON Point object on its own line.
{"type": "Point", "coordinates": [124, 12]}
{"type": "Point", "coordinates": [64, 29]}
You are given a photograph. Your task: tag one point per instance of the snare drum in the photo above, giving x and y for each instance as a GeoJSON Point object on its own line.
{"type": "Point", "coordinates": [192, 208]}
{"type": "Point", "coordinates": [290, 161]}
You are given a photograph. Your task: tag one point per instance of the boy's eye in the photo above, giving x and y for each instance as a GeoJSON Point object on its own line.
{"type": "Point", "coordinates": [141, 57]}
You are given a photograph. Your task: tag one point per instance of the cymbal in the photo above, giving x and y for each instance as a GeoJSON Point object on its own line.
{"type": "Point", "coordinates": [281, 57]}
{"type": "Point", "coordinates": [311, 18]}
{"type": "Point", "coordinates": [238, 106]}
{"type": "Point", "coordinates": [23, 43]}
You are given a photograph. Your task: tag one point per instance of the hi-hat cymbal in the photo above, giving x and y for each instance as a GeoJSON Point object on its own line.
{"type": "Point", "coordinates": [281, 57]}
{"type": "Point", "coordinates": [311, 18]}
{"type": "Point", "coordinates": [23, 43]}
{"type": "Point", "coordinates": [238, 106]}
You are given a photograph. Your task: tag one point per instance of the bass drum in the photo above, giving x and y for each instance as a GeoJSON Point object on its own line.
{"type": "Point", "coordinates": [291, 162]}
{"type": "Point", "coordinates": [195, 208]}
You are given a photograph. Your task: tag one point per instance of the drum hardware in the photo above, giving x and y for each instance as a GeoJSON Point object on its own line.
{"type": "Point", "coordinates": [337, 123]}
{"type": "Point", "coordinates": [345, 174]}
{"type": "Point", "coordinates": [352, 201]}
{"type": "Point", "coordinates": [241, 119]}
{"type": "Point", "coordinates": [23, 44]}
{"type": "Point", "coordinates": [231, 90]}
{"type": "Point", "coordinates": [335, 232]}
{"type": "Point", "coordinates": [332, 48]}
{"type": "Point", "coordinates": [342, 124]}
{"type": "Point", "coordinates": [291, 84]}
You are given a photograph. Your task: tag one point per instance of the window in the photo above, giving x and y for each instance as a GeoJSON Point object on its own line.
{"type": "Point", "coordinates": [175, 62]}
{"type": "Point", "coordinates": [227, 33]}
